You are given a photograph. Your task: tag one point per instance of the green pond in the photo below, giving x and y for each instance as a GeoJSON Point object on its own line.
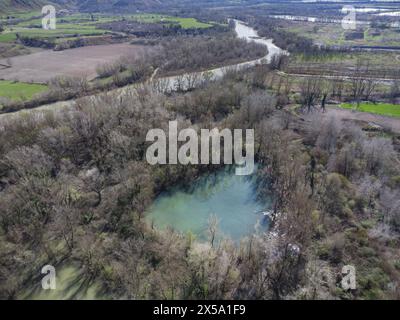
{"type": "Point", "coordinates": [230, 198]}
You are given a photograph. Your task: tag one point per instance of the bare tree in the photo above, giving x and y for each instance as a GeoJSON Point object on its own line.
{"type": "Point", "coordinates": [394, 91]}
{"type": "Point", "coordinates": [326, 89]}
{"type": "Point", "coordinates": [360, 85]}
{"type": "Point", "coordinates": [212, 228]}
{"type": "Point", "coordinates": [310, 92]}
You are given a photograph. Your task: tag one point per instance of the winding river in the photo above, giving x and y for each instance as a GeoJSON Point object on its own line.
{"type": "Point", "coordinates": [243, 32]}
{"type": "Point", "coordinates": [168, 84]}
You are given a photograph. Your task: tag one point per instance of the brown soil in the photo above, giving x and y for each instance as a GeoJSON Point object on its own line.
{"type": "Point", "coordinates": [43, 66]}
{"type": "Point", "coordinates": [383, 121]}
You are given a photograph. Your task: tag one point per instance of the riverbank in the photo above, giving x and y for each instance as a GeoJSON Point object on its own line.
{"type": "Point", "coordinates": [180, 82]}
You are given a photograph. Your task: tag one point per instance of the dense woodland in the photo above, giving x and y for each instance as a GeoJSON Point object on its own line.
{"type": "Point", "coordinates": [75, 186]}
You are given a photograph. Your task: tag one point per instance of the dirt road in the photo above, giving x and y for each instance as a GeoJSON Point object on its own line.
{"type": "Point", "coordinates": [383, 121]}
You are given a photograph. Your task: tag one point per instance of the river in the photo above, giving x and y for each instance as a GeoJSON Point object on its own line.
{"type": "Point", "coordinates": [168, 84]}
{"type": "Point", "coordinates": [194, 79]}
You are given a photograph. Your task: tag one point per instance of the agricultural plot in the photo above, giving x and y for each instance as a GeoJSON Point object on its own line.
{"type": "Point", "coordinates": [334, 35]}
{"type": "Point", "coordinates": [19, 90]}
{"type": "Point", "coordinates": [380, 64]}
{"type": "Point", "coordinates": [185, 23]}
{"type": "Point", "coordinates": [70, 26]}
{"type": "Point", "coordinates": [19, 15]}
{"type": "Point", "coordinates": [86, 25]}
{"type": "Point", "coordinates": [385, 109]}
{"type": "Point", "coordinates": [70, 31]}
{"type": "Point", "coordinates": [43, 66]}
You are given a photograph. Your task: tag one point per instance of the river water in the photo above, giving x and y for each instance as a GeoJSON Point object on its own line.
{"type": "Point", "coordinates": [168, 84]}
{"type": "Point", "coordinates": [243, 31]}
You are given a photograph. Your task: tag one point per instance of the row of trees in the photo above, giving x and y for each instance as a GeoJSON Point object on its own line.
{"type": "Point", "coordinates": [194, 53]}
{"type": "Point", "coordinates": [315, 91]}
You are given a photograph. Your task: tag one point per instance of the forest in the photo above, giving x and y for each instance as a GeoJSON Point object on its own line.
{"type": "Point", "coordinates": [76, 189]}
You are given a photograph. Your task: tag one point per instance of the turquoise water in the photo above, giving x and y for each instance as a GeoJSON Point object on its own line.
{"type": "Point", "coordinates": [232, 199]}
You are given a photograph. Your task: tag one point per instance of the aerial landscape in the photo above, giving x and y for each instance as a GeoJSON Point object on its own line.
{"type": "Point", "coordinates": [208, 150]}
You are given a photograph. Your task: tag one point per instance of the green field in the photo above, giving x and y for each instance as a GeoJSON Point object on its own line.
{"type": "Point", "coordinates": [51, 34]}
{"type": "Point", "coordinates": [7, 37]}
{"type": "Point", "coordinates": [86, 25]}
{"type": "Point", "coordinates": [185, 23]}
{"type": "Point", "coordinates": [73, 19]}
{"type": "Point", "coordinates": [20, 15]}
{"type": "Point", "coordinates": [69, 26]}
{"type": "Point", "coordinates": [385, 109]}
{"type": "Point", "coordinates": [19, 90]}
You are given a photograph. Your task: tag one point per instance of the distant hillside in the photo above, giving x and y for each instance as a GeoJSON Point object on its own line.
{"type": "Point", "coordinates": [12, 6]}
{"type": "Point", "coordinates": [147, 5]}
{"type": "Point", "coordinates": [154, 5]}
{"type": "Point", "coordinates": [8, 6]}
{"type": "Point", "coordinates": [19, 5]}
{"type": "Point", "coordinates": [122, 5]}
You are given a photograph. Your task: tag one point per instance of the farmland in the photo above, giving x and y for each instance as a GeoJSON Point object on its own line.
{"type": "Point", "coordinates": [19, 15]}
{"type": "Point", "coordinates": [45, 65]}
{"type": "Point", "coordinates": [73, 25]}
{"type": "Point", "coordinates": [385, 109]}
{"type": "Point", "coordinates": [185, 23]}
{"type": "Point", "coordinates": [19, 90]}
{"type": "Point", "coordinates": [380, 64]}
{"type": "Point", "coordinates": [78, 25]}
{"type": "Point", "coordinates": [333, 34]}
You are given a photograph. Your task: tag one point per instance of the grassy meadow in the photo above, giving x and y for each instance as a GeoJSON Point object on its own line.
{"type": "Point", "coordinates": [385, 109]}
{"type": "Point", "coordinates": [19, 90]}
{"type": "Point", "coordinates": [185, 23]}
